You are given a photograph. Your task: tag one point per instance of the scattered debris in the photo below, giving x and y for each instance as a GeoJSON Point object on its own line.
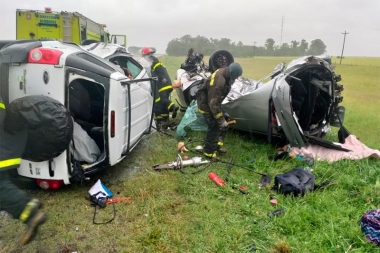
{"type": "Point", "coordinates": [243, 189]}
{"type": "Point", "coordinates": [276, 212]}
{"type": "Point", "coordinates": [217, 180]}
{"type": "Point", "coordinates": [273, 202]}
{"type": "Point", "coordinates": [281, 247]}
{"type": "Point", "coordinates": [181, 147]}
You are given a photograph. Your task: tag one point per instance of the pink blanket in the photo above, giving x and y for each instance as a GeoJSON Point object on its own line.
{"type": "Point", "coordinates": [359, 151]}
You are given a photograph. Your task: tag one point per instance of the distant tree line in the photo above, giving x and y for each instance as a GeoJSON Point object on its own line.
{"type": "Point", "coordinates": [180, 47]}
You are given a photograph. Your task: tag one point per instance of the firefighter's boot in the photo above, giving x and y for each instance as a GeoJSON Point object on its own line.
{"type": "Point", "coordinates": [33, 218]}
{"type": "Point", "coordinates": [211, 156]}
{"type": "Point", "coordinates": [221, 150]}
{"type": "Point", "coordinates": [175, 111]}
{"type": "Point", "coordinates": [159, 125]}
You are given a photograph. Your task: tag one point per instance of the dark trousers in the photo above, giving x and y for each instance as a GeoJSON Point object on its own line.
{"type": "Point", "coordinates": [164, 106]}
{"type": "Point", "coordinates": [212, 134]}
{"type": "Point", "coordinates": [12, 199]}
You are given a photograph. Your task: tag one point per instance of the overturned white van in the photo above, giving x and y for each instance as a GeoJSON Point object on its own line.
{"type": "Point", "coordinates": [111, 110]}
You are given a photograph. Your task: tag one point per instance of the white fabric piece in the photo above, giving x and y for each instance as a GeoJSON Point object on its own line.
{"type": "Point", "coordinates": [85, 149]}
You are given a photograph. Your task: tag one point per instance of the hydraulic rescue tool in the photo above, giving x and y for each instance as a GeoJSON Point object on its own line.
{"type": "Point", "coordinates": [179, 163]}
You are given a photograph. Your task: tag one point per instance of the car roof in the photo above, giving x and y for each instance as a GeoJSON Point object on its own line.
{"type": "Point", "coordinates": [104, 50]}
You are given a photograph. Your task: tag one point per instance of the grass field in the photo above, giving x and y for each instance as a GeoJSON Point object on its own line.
{"type": "Point", "coordinates": [171, 211]}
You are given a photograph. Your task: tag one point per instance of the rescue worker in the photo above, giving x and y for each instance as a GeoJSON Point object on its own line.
{"type": "Point", "coordinates": [164, 88]}
{"type": "Point", "coordinates": [13, 200]}
{"type": "Point", "coordinates": [209, 99]}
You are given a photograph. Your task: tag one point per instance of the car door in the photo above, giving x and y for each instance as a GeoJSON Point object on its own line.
{"type": "Point", "coordinates": [281, 97]}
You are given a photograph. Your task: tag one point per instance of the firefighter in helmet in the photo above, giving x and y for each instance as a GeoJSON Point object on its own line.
{"type": "Point", "coordinates": [164, 87]}
{"type": "Point", "coordinates": [209, 99]}
{"type": "Point", "coordinates": [12, 199]}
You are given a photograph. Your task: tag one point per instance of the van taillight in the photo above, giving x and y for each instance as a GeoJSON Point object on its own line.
{"type": "Point", "coordinates": [112, 124]}
{"type": "Point", "coordinates": [44, 56]}
{"type": "Point", "coordinates": [48, 184]}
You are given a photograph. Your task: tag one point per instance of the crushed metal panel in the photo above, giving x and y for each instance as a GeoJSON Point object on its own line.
{"type": "Point", "coordinates": [281, 99]}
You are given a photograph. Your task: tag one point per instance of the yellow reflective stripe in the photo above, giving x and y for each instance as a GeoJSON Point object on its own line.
{"type": "Point", "coordinates": [164, 115]}
{"type": "Point", "coordinates": [27, 210]}
{"type": "Point", "coordinates": [170, 105]}
{"type": "Point", "coordinates": [10, 162]}
{"type": "Point", "coordinates": [209, 155]}
{"type": "Point", "coordinates": [220, 143]}
{"type": "Point", "coordinates": [213, 78]}
{"type": "Point", "coordinates": [165, 88]}
{"type": "Point", "coordinates": [202, 112]}
{"type": "Point", "coordinates": [218, 115]}
{"type": "Point", "coordinates": [157, 100]}
{"type": "Point", "coordinates": [156, 65]}
{"type": "Point", "coordinates": [2, 105]}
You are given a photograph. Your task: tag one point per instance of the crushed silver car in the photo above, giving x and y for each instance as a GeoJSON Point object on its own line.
{"type": "Point", "coordinates": [299, 101]}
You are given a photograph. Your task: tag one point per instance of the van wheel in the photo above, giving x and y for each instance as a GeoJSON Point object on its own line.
{"type": "Point", "coordinates": [219, 59]}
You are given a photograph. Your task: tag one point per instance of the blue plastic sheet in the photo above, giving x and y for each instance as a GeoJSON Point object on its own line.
{"type": "Point", "coordinates": [191, 120]}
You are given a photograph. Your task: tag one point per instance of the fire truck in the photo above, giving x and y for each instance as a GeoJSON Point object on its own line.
{"type": "Point", "coordinates": [65, 26]}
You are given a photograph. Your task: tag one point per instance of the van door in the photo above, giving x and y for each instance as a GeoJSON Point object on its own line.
{"type": "Point", "coordinates": [87, 101]}
{"type": "Point", "coordinates": [130, 116]}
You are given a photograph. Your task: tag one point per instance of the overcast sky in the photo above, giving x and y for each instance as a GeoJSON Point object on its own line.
{"type": "Point", "coordinates": [156, 22]}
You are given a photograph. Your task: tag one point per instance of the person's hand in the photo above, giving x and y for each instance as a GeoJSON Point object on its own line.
{"type": "Point", "coordinates": [223, 125]}
{"type": "Point", "coordinates": [176, 84]}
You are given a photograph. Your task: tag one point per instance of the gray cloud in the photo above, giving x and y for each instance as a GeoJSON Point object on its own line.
{"type": "Point", "coordinates": [155, 23]}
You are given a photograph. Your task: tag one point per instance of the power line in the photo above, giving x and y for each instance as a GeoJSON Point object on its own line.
{"type": "Point", "coordinates": [344, 40]}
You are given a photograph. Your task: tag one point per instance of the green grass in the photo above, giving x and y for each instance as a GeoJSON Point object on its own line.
{"type": "Point", "coordinates": [170, 211]}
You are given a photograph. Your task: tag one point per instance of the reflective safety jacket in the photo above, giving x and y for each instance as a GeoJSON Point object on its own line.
{"type": "Point", "coordinates": [212, 93]}
{"type": "Point", "coordinates": [11, 145]}
{"type": "Point", "coordinates": [2, 112]}
{"type": "Point", "coordinates": [164, 83]}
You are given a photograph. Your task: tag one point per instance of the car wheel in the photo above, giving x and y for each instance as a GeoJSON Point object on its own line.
{"type": "Point", "coordinates": [219, 59]}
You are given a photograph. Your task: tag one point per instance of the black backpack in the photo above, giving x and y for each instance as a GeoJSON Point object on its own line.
{"type": "Point", "coordinates": [296, 182]}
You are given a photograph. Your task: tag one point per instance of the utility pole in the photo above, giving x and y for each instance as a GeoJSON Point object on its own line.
{"type": "Point", "coordinates": [344, 40]}
{"type": "Point", "coordinates": [254, 46]}
{"type": "Point", "coordinates": [282, 26]}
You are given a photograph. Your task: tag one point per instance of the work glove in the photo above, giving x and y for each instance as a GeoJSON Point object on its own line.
{"type": "Point", "coordinates": [223, 125]}
{"type": "Point", "coordinates": [226, 116]}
